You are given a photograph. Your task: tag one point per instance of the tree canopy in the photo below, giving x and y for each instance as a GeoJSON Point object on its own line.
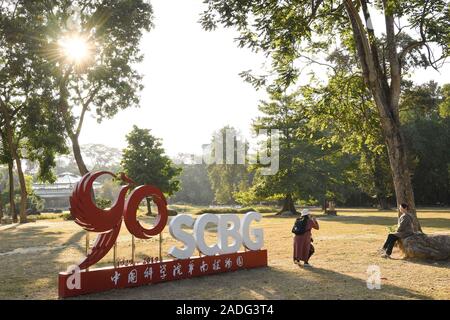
{"type": "Point", "coordinates": [144, 161]}
{"type": "Point", "coordinates": [408, 35]}
{"type": "Point", "coordinates": [227, 171]}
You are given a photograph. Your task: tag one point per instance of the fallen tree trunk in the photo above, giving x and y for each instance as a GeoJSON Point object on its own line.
{"type": "Point", "coordinates": [422, 246]}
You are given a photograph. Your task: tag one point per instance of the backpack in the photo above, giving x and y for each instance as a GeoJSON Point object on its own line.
{"type": "Point", "coordinates": [299, 227]}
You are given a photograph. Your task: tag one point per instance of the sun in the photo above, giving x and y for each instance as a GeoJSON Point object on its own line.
{"type": "Point", "coordinates": [75, 48]}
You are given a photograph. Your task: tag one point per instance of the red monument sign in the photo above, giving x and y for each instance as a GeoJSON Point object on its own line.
{"type": "Point", "coordinates": [221, 257]}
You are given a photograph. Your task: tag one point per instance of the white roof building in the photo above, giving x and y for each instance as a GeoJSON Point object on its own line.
{"type": "Point", "coordinates": [56, 195]}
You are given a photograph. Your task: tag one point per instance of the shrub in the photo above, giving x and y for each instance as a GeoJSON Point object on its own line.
{"type": "Point", "coordinates": [103, 203]}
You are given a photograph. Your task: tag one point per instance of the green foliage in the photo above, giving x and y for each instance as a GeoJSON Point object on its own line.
{"type": "Point", "coordinates": [108, 80]}
{"type": "Point", "coordinates": [287, 31]}
{"type": "Point", "coordinates": [343, 107]}
{"type": "Point", "coordinates": [28, 106]}
{"type": "Point", "coordinates": [428, 138]}
{"type": "Point", "coordinates": [310, 170]}
{"type": "Point", "coordinates": [392, 229]}
{"type": "Point", "coordinates": [421, 101]}
{"type": "Point", "coordinates": [109, 189]}
{"type": "Point", "coordinates": [103, 203]}
{"type": "Point", "coordinates": [444, 106]}
{"type": "Point", "coordinates": [282, 112]}
{"type": "Point", "coordinates": [227, 179]}
{"type": "Point", "coordinates": [34, 202]}
{"type": "Point", "coordinates": [195, 187]}
{"type": "Point", "coordinates": [144, 161]}
{"type": "Point", "coordinates": [54, 91]}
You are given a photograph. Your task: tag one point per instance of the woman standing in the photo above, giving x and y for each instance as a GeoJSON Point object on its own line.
{"type": "Point", "coordinates": [303, 249]}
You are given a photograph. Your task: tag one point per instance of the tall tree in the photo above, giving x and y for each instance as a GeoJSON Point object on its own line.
{"type": "Point", "coordinates": [343, 107]}
{"type": "Point", "coordinates": [227, 171]}
{"type": "Point", "coordinates": [29, 125]}
{"type": "Point", "coordinates": [144, 161]}
{"type": "Point", "coordinates": [282, 112]}
{"type": "Point", "coordinates": [102, 157]}
{"type": "Point", "coordinates": [91, 50]}
{"type": "Point", "coordinates": [195, 186]}
{"type": "Point", "coordinates": [96, 156]}
{"type": "Point", "coordinates": [309, 169]}
{"type": "Point", "coordinates": [287, 30]}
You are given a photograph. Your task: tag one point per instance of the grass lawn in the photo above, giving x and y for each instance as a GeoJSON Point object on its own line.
{"type": "Point", "coordinates": [31, 256]}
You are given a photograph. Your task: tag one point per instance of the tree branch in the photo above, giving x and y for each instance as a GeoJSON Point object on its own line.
{"type": "Point", "coordinates": [318, 62]}
{"type": "Point", "coordinates": [409, 48]}
{"type": "Point", "coordinates": [84, 109]}
{"type": "Point", "coordinates": [394, 95]}
{"type": "Point", "coordinates": [361, 43]}
{"type": "Point", "coordinates": [63, 104]}
{"type": "Point", "coordinates": [373, 45]}
{"type": "Point", "coordinates": [369, 69]}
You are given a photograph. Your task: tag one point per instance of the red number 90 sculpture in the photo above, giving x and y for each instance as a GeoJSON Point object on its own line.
{"type": "Point", "coordinates": [108, 222]}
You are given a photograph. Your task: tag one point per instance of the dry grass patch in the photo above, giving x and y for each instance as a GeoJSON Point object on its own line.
{"type": "Point", "coordinates": [31, 255]}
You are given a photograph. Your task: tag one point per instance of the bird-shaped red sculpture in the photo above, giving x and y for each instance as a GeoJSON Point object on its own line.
{"type": "Point", "coordinates": [126, 179]}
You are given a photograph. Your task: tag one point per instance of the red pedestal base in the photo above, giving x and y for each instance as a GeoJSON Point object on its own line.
{"type": "Point", "coordinates": [103, 279]}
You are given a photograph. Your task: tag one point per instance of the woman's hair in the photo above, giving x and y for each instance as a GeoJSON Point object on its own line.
{"type": "Point", "coordinates": [405, 206]}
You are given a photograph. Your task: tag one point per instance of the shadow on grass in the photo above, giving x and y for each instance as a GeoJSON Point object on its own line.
{"type": "Point", "coordinates": [264, 283]}
{"type": "Point", "coordinates": [444, 264]}
{"type": "Point", "coordinates": [25, 237]}
{"type": "Point", "coordinates": [354, 285]}
{"type": "Point", "coordinates": [438, 223]}
{"type": "Point", "coordinates": [31, 271]}
{"type": "Point", "coordinates": [34, 236]}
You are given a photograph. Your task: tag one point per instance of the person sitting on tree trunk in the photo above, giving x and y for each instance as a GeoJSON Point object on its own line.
{"type": "Point", "coordinates": [303, 249]}
{"type": "Point", "coordinates": [405, 229]}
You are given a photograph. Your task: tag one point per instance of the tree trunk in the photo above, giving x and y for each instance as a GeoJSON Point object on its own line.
{"type": "Point", "coordinates": [69, 122]}
{"type": "Point", "coordinates": [380, 182]}
{"type": "Point", "coordinates": [12, 205]}
{"type": "Point", "coordinates": [23, 188]}
{"type": "Point", "coordinates": [398, 161]}
{"type": "Point", "coordinates": [386, 95]}
{"type": "Point", "coordinates": [386, 88]}
{"type": "Point", "coordinates": [22, 183]}
{"type": "Point", "coordinates": [13, 150]}
{"type": "Point", "coordinates": [324, 205]}
{"type": "Point", "coordinates": [422, 246]}
{"type": "Point", "coordinates": [149, 206]}
{"type": "Point", "coordinates": [1, 206]}
{"type": "Point", "coordinates": [77, 154]}
{"type": "Point", "coordinates": [383, 202]}
{"type": "Point", "coordinates": [23, 191]}
{"type": "Point", "coordinates": [288, 205]}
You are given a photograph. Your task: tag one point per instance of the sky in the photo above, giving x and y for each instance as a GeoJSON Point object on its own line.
{"type": "Point", "coordinates": [191, 83]}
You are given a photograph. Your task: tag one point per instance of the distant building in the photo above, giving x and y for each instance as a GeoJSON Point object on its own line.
{"type": "Point", "coordinates": [56, 195]}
